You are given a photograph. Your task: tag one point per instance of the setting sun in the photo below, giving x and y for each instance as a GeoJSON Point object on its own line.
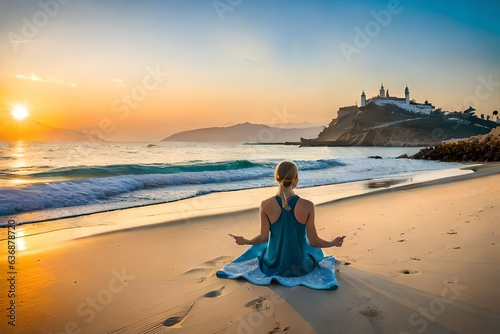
{"type": "Point", "coordinates": [19, 112]}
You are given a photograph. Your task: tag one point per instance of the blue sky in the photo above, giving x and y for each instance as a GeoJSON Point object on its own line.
{"type": "Point", "coordinates": [243, 62]}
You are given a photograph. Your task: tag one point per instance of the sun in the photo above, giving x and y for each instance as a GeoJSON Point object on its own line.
{"type": "Point", "coordinates": [19, 112]}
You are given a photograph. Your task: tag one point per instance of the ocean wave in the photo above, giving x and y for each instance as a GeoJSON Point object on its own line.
{"type": "Point", "coordinates": [92, 185]}
{"type": "Point", "coordinates": [86, 172]}
{"type": "Point", "coordinates": [141, 169]}
{"type": "Point", "coordinates": [90, 191]}
{"type": "Point", "coordinates": [318, 164]}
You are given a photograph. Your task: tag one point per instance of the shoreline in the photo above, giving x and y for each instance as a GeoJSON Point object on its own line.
{"type": "Point", "coordinates": [214, 203]}
{"type": "Point", "coordinates": [24, 218]}
{"type": "Point", "coordinates": [404, 247]}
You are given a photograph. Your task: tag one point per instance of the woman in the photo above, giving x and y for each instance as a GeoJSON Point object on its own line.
{"type": "Point", "coordinates": [288, 247]}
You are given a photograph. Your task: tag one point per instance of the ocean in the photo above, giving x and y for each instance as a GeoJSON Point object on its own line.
{"type": "Point", "coordinates": [43, 181]}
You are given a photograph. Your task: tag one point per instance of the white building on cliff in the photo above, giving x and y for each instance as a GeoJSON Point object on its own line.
{"type": "Point", "coordinates": [404, 103]}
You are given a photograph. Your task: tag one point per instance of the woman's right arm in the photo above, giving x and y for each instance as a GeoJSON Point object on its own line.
{"type": "Point", "coordinates": [263, 236]}
{"type": "Point", "coordinates": [312, 234]}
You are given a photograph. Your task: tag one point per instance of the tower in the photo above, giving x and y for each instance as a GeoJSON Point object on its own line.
{"type": "Point", "coordinates": [407, 95]}
{"type": "Point", "coordinates": [363, 99]}
{"type": "Point", "coordinates": [382, 91]}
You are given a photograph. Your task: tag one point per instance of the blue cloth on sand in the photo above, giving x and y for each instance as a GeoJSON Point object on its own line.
{"type": "Point", "coordinates": [287, 257]}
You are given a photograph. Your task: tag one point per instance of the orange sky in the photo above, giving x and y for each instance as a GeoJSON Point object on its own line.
{"type": "Point", "coordinates": [142, 71]}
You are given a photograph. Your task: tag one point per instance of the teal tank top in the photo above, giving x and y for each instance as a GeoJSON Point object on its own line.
{"type": "Point", "coordinates": [287, 252]}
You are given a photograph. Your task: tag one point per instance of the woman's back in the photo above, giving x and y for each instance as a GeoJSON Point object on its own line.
{"type": "Point", "coordinates": [272, 209]}
{"type": "Point", "coordinates": [287, 252]}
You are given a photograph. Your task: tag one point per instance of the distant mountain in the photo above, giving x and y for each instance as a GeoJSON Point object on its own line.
{"type": "Point", "coordinates": [295, 125]}
{"type": "Point", "coordinates": [29, 130]}
{"type": "Point", "coordinates": [246, 132]}
{"type": "Point", "coordinates": [389, 125]}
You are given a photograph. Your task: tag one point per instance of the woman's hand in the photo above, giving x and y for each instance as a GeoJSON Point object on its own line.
{"type": "Point", "coordinates": [338, 241]}
{"type": "Point", "coordinates": [239, 239]}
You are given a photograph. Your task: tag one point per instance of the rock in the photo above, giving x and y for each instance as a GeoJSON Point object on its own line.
{"type": "Point", "coordinates": [482, 148]}
{"type": "Point", "coordinates": [495, 131]}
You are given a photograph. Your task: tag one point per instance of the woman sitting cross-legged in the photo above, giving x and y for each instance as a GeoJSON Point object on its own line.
{"type": "Point", "coordinates": [288, 248]}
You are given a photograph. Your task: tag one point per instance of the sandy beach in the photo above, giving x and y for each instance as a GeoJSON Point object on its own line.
{"type": "Point", "coordinates": [420, 258]}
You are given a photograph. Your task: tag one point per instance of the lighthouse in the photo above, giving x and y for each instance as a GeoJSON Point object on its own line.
{"type": "Point", "coordinates": [382, 91]}
{"type": "Point", "coordinates": [363, 99]}
{"type": "Point", "coordinates": [407, 95]}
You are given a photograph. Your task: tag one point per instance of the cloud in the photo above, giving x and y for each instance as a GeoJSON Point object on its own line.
{"type": "Point", "coordinates": [54, 80]}
{"type": "Point", "coordinates": [119, 82]}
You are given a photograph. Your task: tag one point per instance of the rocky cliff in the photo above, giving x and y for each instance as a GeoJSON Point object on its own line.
{"type": "Point", "coordinates": [390, 125]}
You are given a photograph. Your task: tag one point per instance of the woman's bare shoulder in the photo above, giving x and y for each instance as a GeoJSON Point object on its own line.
{"type": "Point", "coordinates": [268, 201]}
{"type": "Point", "coordinates": [304, 203]}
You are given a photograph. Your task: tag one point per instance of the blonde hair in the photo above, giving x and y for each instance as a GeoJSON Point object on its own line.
{"type": "Point", "coordinates": [285, 173]}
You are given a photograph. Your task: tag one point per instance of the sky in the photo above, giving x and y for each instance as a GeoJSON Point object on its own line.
{"type": "Point", "coordinates": [143, 70]}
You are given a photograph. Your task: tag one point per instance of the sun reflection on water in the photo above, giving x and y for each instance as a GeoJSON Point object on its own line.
{"type": "Point", "coordinates": [20, 242]}
{"type": "Point", "coordinates": [19, 155]}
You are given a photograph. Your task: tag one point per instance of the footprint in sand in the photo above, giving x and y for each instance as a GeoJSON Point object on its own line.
{"type": "Point", "coordinates": [182, 315]}
{"type": "Point", "coordinates": [278, 329]}
{"type": "Point", "coordinates": [408, 271]}
{"type": "Point", "coordinates": [257, 304]}
{"type": "Point", "coordinates": [172, 321]}
{"type": "Point", "coordinates": [207, 269]}
{"type": "Point", "coordinates": [369, 312]}
{"type": "Point", "coordinates": [199, 274]}
{"type": "Point", "coordinates": [214, 293]}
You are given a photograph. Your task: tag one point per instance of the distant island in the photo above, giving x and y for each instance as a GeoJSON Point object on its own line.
{"type": "Point", "coordinates": [246, 133]}
{"type": "Point", "coordinates": [391, 121]}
